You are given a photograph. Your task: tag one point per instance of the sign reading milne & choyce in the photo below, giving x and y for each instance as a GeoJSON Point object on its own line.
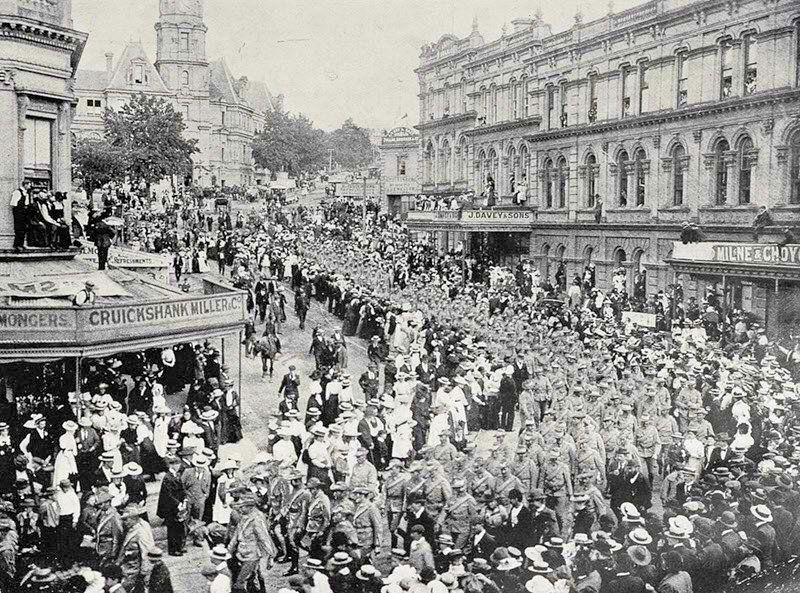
{"type": "Point", "coordinates": [755, 253]}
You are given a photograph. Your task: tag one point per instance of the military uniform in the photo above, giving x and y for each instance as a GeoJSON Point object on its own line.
{"type": "Point", "coordinates": [317, 523]}
{"type": "Point", "coordinates": [457, 518]}
{"type": "Point", "coordinates": [296, 514]}
{"type": "Point", "coordinates": [394, 492]}
{"type": "Point", "coordinates": [437, 492]}
{"type": "Point", "coordinates": [367, 523]}
{"type": "Point", "coordinates": [505, 484]}
{"type": "Point", "coordinates": [554, 480]}
{"type": "Point", "coordinates": [108, 536]}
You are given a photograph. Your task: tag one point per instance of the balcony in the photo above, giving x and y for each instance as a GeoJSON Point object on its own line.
{"type": "Point", "coordinates": [727, 215]}
{"type": "Point", "coordinates": [629, 215]}
{"type": "Point", "coordinates": [553, 216]}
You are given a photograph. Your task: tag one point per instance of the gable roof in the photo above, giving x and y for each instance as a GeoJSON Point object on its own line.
{"type": "Point", "coordinates": [121, 78]}
{"type": "Point", "coordinates": [220, 83]}
{"type": "Point", "coordinates": [255, 94]}
{"type": "Point", "coordinates": [91, 80]}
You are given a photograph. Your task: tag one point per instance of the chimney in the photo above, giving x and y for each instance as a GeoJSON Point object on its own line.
{"type": "Point", "coordinates": [109, 64]}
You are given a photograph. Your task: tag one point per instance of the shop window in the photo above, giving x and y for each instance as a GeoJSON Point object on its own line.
{"type": "Point", "coordinates": [726, 70]}
{"type": "Point", "coordinates": [683, 80]}
{"type": "Point", "coordinates": [721, 172]}
{"type": "Point", "coordinates": [744, 158]}
{"type": "Point", "coordinates": [794, 168]}
{"type": "Point", "coordinates": [622, 173]}
{"type": "Point", "coordinates": [678, 154]}
{"type": "Point", "coordinates": [750, 64]}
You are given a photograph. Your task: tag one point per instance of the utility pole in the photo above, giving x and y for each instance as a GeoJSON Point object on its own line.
{"type": "Point", "coordinates": [364, 208]}
{"type": "Point", "coordinates": [330, 160]}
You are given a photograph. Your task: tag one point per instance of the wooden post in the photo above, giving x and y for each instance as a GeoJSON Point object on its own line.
{"type": "Point", "coordinates": [79, 407]}
{"type": "Point", "coordinates": [241, 338]}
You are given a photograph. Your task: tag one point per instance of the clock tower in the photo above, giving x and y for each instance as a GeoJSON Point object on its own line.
{"type": "Point", "coordinates": [181, 47]}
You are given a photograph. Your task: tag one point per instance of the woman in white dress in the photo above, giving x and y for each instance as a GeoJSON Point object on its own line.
{"type": "Point", "coordinates": [202, 257]}
{"type": "Point", "coordinates": [65, 466]}
{"type": "Point", "coordinates": [221, 512]}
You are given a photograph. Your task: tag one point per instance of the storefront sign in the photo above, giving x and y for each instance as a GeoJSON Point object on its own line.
{"type": "Point", "coordinates": [514, 217]}
{"type": "Point", "coordinates": [151, 265]}
{"type": "Point", "coordinates": [640, 319]}
{"type": "Point", "coordinates": [754, 253]}
{"type": "Point", "coordinates": [37, 325]}
{"type": "Point", "coordinates": [448, 214]}
{"type": "Point", "coordinates": [356, 189]}
{"type": "Point", "coordinates": [399, 188]}
{"type": "Point", "coordinates": [62, 286]}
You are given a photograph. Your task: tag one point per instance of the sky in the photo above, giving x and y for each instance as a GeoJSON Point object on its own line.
{"type": "Point", "coordinates": [331, 59]}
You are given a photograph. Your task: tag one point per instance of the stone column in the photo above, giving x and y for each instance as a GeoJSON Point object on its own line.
{"type": "Point", "coordinates": [630, 170]}
{"type": "Point", "coordinates": [11, 164]}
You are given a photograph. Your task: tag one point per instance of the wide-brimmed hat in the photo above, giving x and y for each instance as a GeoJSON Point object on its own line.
{"type": "Point", "coordinates": [508, 564]}
{"type": "Point", "coordinates": [209, 415]}
{"type": "Point", "coordinates": [639, 555]}
{"type": "Point", "coordinates": [341, 559]}
{"type": "Point", "coordinates": [219, 553]}
{"type": "Point", "coordinates": [132, 469]}
{"type": "Point", "coordinates": [640, 537]}
{"type": "Point", "coordinates": [762, 513]}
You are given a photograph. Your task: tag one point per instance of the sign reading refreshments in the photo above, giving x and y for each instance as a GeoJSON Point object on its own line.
{"type": "Point", "coordinates": [498, 216]}
{"type": "Point", "coordinates": [755, 253]}
{"type": "Point", "coordinates": [125, 258]}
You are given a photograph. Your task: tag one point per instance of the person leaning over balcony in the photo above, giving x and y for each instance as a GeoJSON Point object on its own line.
{"type": "Point", "coordinates": [598, 208]}
{"type": "Point", "coordinates": [763, 219]}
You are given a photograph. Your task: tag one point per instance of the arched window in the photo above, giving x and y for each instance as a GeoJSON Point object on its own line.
{"type": "Point", "coordinates": [548, 183]}
{"type": "Point", "coordinates": [546, 262]}
{"type": "Point", "coordinates": [492, 168]}
{"type": "Point", "coordinates": [428, 163]}
{"type": "Point", "coordinates": [514, 90]}
{"type": "Point", "coordinates": [484, 104]}
{"type": "Point", "coordinates": [523, 164]}
{"type": "Point", "coordinates": [480, 171]}
{"type": "Point", "coordinates": [513, 180]}
{"type": "Point", "coordinates": [721, 171]}
{"type": "Point", "coordinates": [563, 178]}
{"type": "Point", "coordinates": [463, 92]}
{"type": "Point", "coordinates": [744, 158]}
{"type": "Point", "coordinates": [587, 255]}
{"type": "Point", "coordinates": [620, 257]}
{"type": "Point", "coordinates": [526, 100]}
{"type": "Point", "coordinates": [493, 114]}
{"type": "Point", "coordinates": [464, 164]}
{"type": "Point", "coordinates": [591, 180]}
{"type": "Point", "coordinates": [794, 167]}
{"type": "Point", "coordinates": [622, 189]}
{"type": "Point", "coordinates": [185, 78]}
{"type": "Point", "coordinates": [678, 155]}
{"type": "Point", "coordinates": [446, 100]}
{"type": "Point", "coordinates": [444, 170]}
{"type": "Point", "coordinates": [639, 157]}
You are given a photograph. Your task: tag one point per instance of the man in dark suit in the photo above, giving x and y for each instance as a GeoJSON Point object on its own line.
{"type": "Point", "coordinates": [88, 444]}
{"type": "Point", "coordinates": [290, 385]}
{"type": "Point", "coordinates": [208, 422]}
{"type": "Point", "coordinates": [631, 486]}
{"type": "Point", "coordinates": [521, 373]}
{"type": "Point", "coordinates": [417, 515]}
{"type": "Point", "coordinates": [482, 544]}
{"type": "Point", "coordinates": [544, 522]}
{"type": "Point", "coordinates": [519, 522]}
{"type": "Point", "coordinates": [425, 372]}
{"type": "Point", "coordinates": [720, 455]}
{"type": "Point", "coordinates": [508, 398]}
{"type": "Point", "coordinates": [171, 508]}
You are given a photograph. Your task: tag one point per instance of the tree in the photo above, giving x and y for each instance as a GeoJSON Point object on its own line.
{"type": "Point", "coordinates": [352, 148]}
{"type": "Point", "coordinates": [149, 134]}
{"type": "Point", "coordinates": [95, 163]}
{"type": "Point", "coordinates": [289, 143]}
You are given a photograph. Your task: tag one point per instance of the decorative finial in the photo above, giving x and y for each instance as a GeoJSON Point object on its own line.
{"type": "Point", "coordinates": [475, 24]}
{"type": "Point", "coordinates": [505, 29]}
{"type": "Point", "coordinates": [539, 12]}
{"type": "Point", "coordinates": [610, 6]}
{"type": "Point", "coordinates": [578, 16]}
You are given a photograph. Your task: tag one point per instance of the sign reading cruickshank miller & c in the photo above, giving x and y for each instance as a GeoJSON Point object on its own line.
{"type": "Point", "coordinates": [94, 325]}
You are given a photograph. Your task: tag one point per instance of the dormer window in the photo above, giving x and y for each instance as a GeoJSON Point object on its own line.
{"type": "Point", "coordinates": [138, 73]}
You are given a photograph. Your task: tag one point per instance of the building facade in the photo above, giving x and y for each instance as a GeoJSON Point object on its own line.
{"type": "Point", "coordinates": [39, 54]}
{"type": "Point", "coordinates": [222, 112]}
{"type": "Point", "coordinates": [398, 160]}
{"type": "Point", "coordinates": [674, 110]}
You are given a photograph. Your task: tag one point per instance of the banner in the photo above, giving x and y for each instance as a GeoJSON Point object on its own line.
{"type": "Point", "coordinates": [125, 258]}
{"type": "Point", "coordinates": [60, 286]}
{"type": "Point", "coordinates": [640, 319]}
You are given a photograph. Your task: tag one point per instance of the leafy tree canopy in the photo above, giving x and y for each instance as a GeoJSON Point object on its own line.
{"type": "Point", "coordinates": [97, 162]}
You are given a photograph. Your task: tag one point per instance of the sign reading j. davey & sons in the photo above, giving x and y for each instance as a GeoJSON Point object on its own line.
{"type": "Point", "coordinates": [498, 216]}
{"type": "Point", "coordinates": [754, 253]}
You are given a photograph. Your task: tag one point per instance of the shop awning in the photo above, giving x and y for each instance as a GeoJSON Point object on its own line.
{"type": "Point", "coordinates": [132, 312]}
{"type": "Point", "coordinates": [765, 261]}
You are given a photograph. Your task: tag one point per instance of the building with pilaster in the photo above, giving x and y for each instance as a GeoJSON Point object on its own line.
{"type": "Point", "coordinates": [222, 112]}
{"type": "Point", "coordinates": [674, 110]}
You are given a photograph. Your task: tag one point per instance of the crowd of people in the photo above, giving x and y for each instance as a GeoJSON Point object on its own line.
{"type": "Point", "coordinates": [508, 433]}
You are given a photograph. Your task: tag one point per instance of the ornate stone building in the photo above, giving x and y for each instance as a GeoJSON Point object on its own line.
{"type": "Point", "coordinates": [39, 53]}
{"type": "Point", "coordinates": [398, 159]}
{"type": "Point", "coordinates": [673, 110]}
{"type": "Point", "coordinates": [222, 112]}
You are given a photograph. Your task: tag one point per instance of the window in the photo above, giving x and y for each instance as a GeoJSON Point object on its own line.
{"type": "Point", "coordinates": [401, 166]}
{"type": "Point", "coordinates": [184, 41]}
{"type": "Point", "coordinates": [794, 168]}
{"type": "Point", "coordinates": [744, 157]}
{"type": "Point", "coordinates": [484, 104]}
{"type": "Point", "coordinates": [493, 114]}
{"type": "Point", "coordinates": [592, 115]}
{"type": "Point", "coordinates": [622, 190]}
{"type": "Point", "coordinates": [644, 89]}
{"type": "Point", "coordinates": [138, 73]}
{"type": "Point", "coordinates": [526, 99]}
{"type": "Point", "coordinates": [797, 52]}
{"type": "Point", "coordinates": [683, 80]}
{"type": "Point", "coordinates": [750, 64]}
{"type": "Point", "coordinates": [444, 169]}
{"type": "Point", "coordinates": [185, 78]}
{"type": "Point", "coordinates": [38, 147]}
{"type": "Point", "coordinates": [514, 90]}
{"type": "Point", "coordinates": [678, 154]}
{"type": "Point", "coordinates": [551, 107]}
{"type": "Point", "coordinates": [726, 70]}
{"type": "Point", "coordinates": [464, 159]}
{"type": "Point", "coordinates": [446, 98]}
{"type": "Point", "coordinates": [591, 181]}
{"type": "Point", "coordinates": [563, 117]}
{"type": "Point", "coordinates": [223, 118]}
{"type": "Point", "coordinates": [222, 154]}
{"type": "Point", "coordinates": [186, 117]}
{"type": "Point", "coordinates": [721, 172]}
{"type": "Point", "coordinates": [548, 182]}
{"type": "Point", "coordinates": [626, 91]}
{"type": "Point", "coordinates": [563, 178]}
{"type": "Point", "coordinates": [94, 105]}
{"type": "Point", "coordinates": [639, 158]}
{"type": "Point", "coordinates": [464, 96]}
